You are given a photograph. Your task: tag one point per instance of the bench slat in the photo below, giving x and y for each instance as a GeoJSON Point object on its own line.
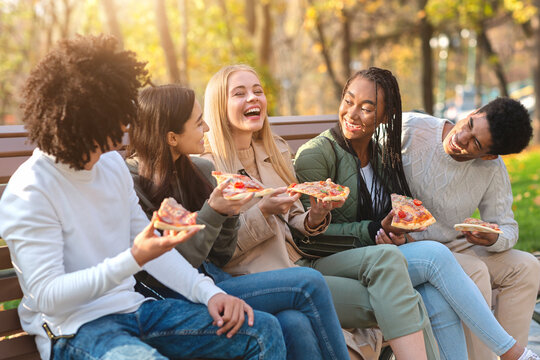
{"type": "Point", "coordinates": [9, 322]}
{"type": "Point", "coordinates": [5, 260]}
{"type": "Point", "coordinates": [10, 289]}
{"type": "Point", "coordinates": [19, 348]}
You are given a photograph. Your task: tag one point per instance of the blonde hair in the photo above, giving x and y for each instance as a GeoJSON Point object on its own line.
{"type": "Point", "coordinates": [220, 138]}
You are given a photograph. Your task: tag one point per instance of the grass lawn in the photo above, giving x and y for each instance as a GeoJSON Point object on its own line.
{"type": "Point", "coordinates": [524, 170]}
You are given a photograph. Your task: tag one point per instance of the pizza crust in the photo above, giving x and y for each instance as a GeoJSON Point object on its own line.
{"type": "Point", "coordinates": [474, 227]}
{"type": "Point", "coordinates": [166, 226]}
{"type": "Point", "coordinates": [414, 226]}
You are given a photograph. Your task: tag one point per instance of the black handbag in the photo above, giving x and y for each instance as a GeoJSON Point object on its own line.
{"type": "Point", "coordinates": [321, 245]}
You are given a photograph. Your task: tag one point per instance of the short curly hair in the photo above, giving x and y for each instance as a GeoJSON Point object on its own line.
{"type": "Point", "coordinates": [509, 124]}
{"type": "Point", "coordinates": [79, 96]}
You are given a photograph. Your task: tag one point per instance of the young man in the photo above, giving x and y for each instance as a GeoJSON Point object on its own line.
{"type": "Point", "coordinates": [455, 169]}
{"type": "Point", "coordinates": [77, 235]}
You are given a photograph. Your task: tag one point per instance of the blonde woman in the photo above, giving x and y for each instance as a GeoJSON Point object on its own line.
{"type": "Point", "coordinates": [374, 291]}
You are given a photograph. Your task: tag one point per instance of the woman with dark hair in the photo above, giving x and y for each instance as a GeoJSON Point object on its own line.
{"type": "Point", "coordinates": [363, 152]}
{"type": "Point", "coordinates": [169, 127]}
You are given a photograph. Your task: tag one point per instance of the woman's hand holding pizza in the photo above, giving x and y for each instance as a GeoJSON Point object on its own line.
{"type": "Point", "coordinates": [148, 246]}
{"type": "Point", "coordinates": [386, 224]}
{"type": "Point", "coordinates": [274, 204]}
{"type": "Point", "coordinates": [224, 206]}
{"type": "Point", "coordinates": [481, 238]}
{"type": "Point", "coordinates": [383, 238]}
{"type": "Point", "coordinates": [320, 209]}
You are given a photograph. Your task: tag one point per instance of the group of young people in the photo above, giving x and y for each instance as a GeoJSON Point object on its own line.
{"type": "Point", "coordinates": [100, 282]}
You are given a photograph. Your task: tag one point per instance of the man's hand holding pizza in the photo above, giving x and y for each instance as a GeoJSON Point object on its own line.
{"type": "Point", "coordinates": [225, 206]}
{"type": "Point", "coordinates": [481, 238]}
{"type": "Point", "coordinates": [148, 246]}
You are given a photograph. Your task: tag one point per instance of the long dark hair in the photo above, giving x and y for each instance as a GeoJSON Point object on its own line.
{"type": "Point", "coordinates": [385, 147]}
{"type": "Point", "coordinates": [162, 109]}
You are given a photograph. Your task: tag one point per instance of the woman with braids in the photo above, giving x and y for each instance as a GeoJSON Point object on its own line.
{"type": "Point", "coordinates": [168, 128]}
{"type": "Point", "coordinates": [363, 152]}
{"type": "Point", "coordinates": [240, 141]}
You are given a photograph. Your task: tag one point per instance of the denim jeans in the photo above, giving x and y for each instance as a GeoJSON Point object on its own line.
{"type": "Point", "coordinates": [301, 301]}
{"type": "Point", "coordinates": [432, 262]}
{"type": "Point", "coordinates": [170, 328]}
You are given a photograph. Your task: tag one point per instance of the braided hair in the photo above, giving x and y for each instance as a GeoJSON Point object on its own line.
{"type": "Point", "coordinates": [384, 150]}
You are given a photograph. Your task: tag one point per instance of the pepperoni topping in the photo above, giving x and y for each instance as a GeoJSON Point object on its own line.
{"type": "Point", "coordinates": [293, 185]}
{"type": "Point", "coordinates": [401, 214]}
{"type": "Point", "coordinates": [417, 202]}
{"type": "Point", "coordinates": [239, 185]}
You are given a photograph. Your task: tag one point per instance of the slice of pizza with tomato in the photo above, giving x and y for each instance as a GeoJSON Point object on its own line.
{"type": "Point", "coordinates": [172, 216]}
{"type": "Point", "coordinates": [322, 190]}
{"type": "Point", "coordinates": [240, 186]}
{"type": "Point", "coordinates": [472, 224]}
{"type": "Point", "coordinates": [409, 213]}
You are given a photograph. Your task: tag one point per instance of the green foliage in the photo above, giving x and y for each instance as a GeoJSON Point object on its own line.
{"type": "Point", "coordinates": [524, 170]}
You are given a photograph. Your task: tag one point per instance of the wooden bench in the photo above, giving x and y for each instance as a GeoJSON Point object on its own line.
{"type": "Point", "coordinates": [14, 150]}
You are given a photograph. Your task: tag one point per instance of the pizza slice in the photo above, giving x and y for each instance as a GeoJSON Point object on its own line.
{"type": "Point", "coordinates": [472, 224]}
{"type": "Point", "coordinates": [322, 190]}
{"type": "Point", "coordinates": [172, 216]}
{"type": "Point", "coordinates": [409, 213]}
{"type": "Point", "coordinates": [240, 186]}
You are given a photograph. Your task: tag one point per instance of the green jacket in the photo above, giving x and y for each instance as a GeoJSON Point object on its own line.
{"type": "Point", "coordinates": [217, 241]}
{"type": "Point", "coordinates": [324, 157]}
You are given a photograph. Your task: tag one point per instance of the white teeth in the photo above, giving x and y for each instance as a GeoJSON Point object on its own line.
{"type": "Point", "coordinates": [253, 111]}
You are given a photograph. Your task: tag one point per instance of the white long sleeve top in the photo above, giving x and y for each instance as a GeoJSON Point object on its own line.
{"type": "Point", "coordinates": [69, 234]}
{"type": "Point", "coordinates": [453, 190]}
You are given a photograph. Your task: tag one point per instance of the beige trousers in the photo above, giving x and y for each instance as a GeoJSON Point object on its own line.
{"type": "Point", "coordinates": [513, 277]}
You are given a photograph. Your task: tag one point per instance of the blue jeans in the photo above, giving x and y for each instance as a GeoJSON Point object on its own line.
{"type": "Point", "coordinates": [170, 328]}
{"type": "Point", "coordinates": [430, 262]}
{"type": "Point", "coordinates": [301, 301]}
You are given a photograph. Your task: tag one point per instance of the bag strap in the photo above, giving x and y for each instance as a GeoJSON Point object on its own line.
{"type": "Point", "coordinates": [299, 237]}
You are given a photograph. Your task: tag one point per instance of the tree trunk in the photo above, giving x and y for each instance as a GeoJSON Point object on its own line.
{"type": "Point", "coordinates": [166, 42]}
{"type": "Point", "coordinates": [184, 67]}
{"type": "Point", "coordinates": [426, 32]}
{"type": "Point", "coordinates": [495, 62]}
{"type": "Point", "coordinates": [112, 21]}
{"type": "Point", "coordinates": [250, 16]}
{"type": "Point", "coordinates": [478, 73]}
{"type": "Point", "coordinates": [346, 46]}
{"type": "Point", "coordinates": [326, 56]}
{"type": "Point", "coordinates": [264, 34]}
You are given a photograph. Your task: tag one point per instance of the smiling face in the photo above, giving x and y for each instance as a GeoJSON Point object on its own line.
{"type": "Point", "coordinates": [190, 140]}
{"type": "Point", "coordinates": [469, 139]}
{"type": "Point", "coordinates": [357, 109]}
{"type": "Point", "coordinates": [246, 102]}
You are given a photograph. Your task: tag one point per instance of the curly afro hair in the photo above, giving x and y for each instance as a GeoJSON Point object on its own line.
{"type": "Point", "coordinates": [509, 124]}
{"type": "Point", "coordinates": [79, 96]}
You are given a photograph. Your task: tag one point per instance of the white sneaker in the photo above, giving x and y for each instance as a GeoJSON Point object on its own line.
{"type": "Point", "coordinates": [529, 355]}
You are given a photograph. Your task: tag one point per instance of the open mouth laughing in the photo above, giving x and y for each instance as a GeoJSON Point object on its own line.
{"type": "Point", "coordinates": [454, 147]}
{"type": "Point", "coordinates": [351, 126]}
{"type": "Point", "coordinates": [253, 112]}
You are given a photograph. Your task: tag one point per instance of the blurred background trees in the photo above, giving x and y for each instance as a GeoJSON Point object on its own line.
{"type": "Point", "coordinates": [450, 56]}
